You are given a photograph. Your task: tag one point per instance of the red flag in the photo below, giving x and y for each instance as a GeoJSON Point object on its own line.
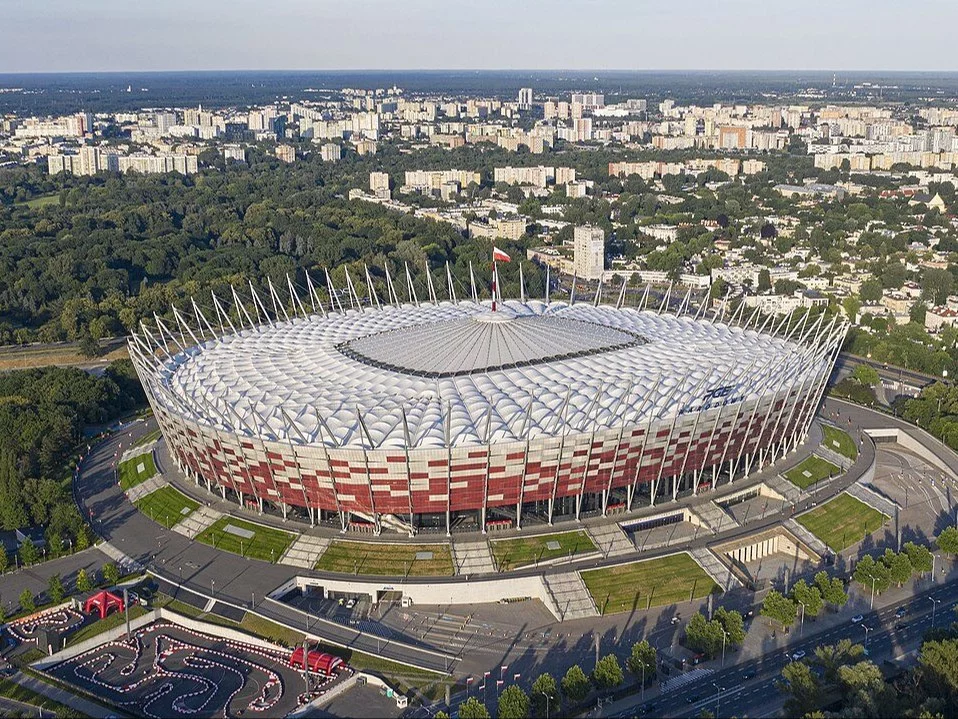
{"type": "Point", "coordinates": [468, 680]}
{"type": "Point", "coordinates": [500, 256]}
{"type": "Point", "coordinates": [499, 683]}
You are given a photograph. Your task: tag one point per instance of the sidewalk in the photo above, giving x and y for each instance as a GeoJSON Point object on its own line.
{"type": "Point", "coordinates": [84, 707]}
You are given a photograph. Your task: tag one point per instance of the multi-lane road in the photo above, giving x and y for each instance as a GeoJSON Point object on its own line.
{"type": "Point", "coordinates": [749, 688]}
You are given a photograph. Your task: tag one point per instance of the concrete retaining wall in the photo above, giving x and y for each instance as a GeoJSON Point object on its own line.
{"type": "Point", "coordinates": [474, 592]}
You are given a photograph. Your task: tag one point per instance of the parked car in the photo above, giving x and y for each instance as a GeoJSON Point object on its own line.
{"type": "Point", "coordinates": [857, 618]}
{"type": "Point", "coordinates": [800, 654]}
{"type": "Point", "coordinates": [901, 612]}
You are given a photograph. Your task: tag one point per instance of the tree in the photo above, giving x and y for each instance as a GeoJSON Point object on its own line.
{"type": "Point", "coordinates": [575, 684]}
{"type": "Point", "coordinates": [4, 559]}
{"type": "Point", "coordinates": [948, 540]}
{"type": "Point", "coordinates": [920, 556]}
{"type": "Point", "coordinates": [472, 708]}
{"type": "Point", "coordinates": [28, 552]}
{"type": "Point", "coordinates": [870, 291]}
{"type": "Point", "coordinates": [441, 715]}
{"type": "Point", "coordinates": [83, 582]}
{"type": "Point", "coordinates": [802, 687]}
{"type": "Point", "coordinates": [832, 589]}
{"type": "Point", "coordinates": [779, 608]}
{"type": "Point", "coordinates": [899, 566]}
{"type": "Point", "coordinates": [642, 661]}
{"type": "Point", "coordinates": [703, 636]}
{"type": "Point", "coordinates": [607, 673]}
{"type": "Point", "coordinates": [544, 686]}
{"type": "Point", "coordinates": [865, 375]}
{"type": "Point", "coordinates": [831, 657]}
{"type": "Point", "coordinates": [513, 704]}
{"type": "Point", "coordinates": [27, 602]}
{"type": "Point", "coordinates": [732, 623]}
{"type": "Point", "coordinates": [851, 305]}
{"type": "Point", "coordinates": [55, 589]}
{"type": "Point", "coordinates": [809, 596]}
{"type": "Point", "coordinates": [54, 543]}
{"type": "Point", "coordinates": [871, 574]}
{"type": "Point", "coordinates": [936, 285]}
{"type": "Point", "coordinates": [111, 573]}
{"type": "Point", "coordinates": [764, 281]}
{"type": "Point", "coordinates": [864, 690]}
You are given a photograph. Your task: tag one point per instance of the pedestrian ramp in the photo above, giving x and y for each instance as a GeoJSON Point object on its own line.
{"type": "Point", "coordinates": [714, 567]}
{"type": "Point", "coordinates": [126, 564]}
{"type": "Point", "coordinates": [305, 551]}
{"type": "Point", "coordinates": [610, 539]}
{"type": "Point", "coordinates": [197, 521]}
{"type": "Point", "coordinates": [782, 486]}
{"type": "Point", "coordinates": [714, 517]}
{"type": "Point", "coordinates": [874, 500]}
{"type": "Point", "coordinates": [807, 537]}
{"type": "Point", "coordinates": [135, 494]}
{"type": "Point", "coordinates": [570, 596]}
{"type": "Point", "coordinates": [473, 558]}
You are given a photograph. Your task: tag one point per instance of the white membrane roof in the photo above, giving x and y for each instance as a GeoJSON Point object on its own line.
{"type": "Point", "coordinates": [459, 375]}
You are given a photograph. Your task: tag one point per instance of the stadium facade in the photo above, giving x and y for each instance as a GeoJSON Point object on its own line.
{"type": "Point", "coordinates": [443, 413]}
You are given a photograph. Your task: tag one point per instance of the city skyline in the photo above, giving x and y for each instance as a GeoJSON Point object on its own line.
{"type": "Point", "coordinates": [426, 35]}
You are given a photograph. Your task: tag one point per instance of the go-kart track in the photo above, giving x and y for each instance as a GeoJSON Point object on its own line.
{"type": "Point", "coordinates": [61, 621]}
{"type": "Point", "coordinates": [168, 671]}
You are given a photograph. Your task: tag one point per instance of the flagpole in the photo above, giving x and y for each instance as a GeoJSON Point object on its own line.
{"type": "Point", "coordinates": [495, 278]}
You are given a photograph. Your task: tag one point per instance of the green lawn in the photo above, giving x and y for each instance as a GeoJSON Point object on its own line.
{"type": "Point", "coordinates": [838, 441]}
{"type": "Point", "coordinates": [814, 469]}
{"type": "Point", "coordinates": [843, 521]}
{"type": "Point", "coordinates": [652, 583]}
{"type": "Point", "coordinates": [130, 474]}
{"type": "Point", "coordinates": [147, 438]}
{"type": "Point", "coordinates": [266, 543]}
{"type": "Point", "coordinates": [41, 201]}
{"type": "Point", "coordinates": [111, 621]}
{"type": "Point", "coordinates": [166, 506]}
{"type": "Point", "coordinates": [513, 553]}
{"type": "Point", "coordinates": [386, 559]}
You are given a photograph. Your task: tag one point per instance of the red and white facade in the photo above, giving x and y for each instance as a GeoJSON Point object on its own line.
{"type": "Point", "coordinates": [444, 409]}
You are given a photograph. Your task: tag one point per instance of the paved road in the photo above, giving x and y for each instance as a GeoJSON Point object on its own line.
{"type": "Point", "coordinates": [227, 577]}
{"type": "Point", "coordinates": [748, 688]}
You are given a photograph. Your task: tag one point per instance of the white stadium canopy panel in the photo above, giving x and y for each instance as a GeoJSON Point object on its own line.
{"type": "Point", "coordinates": [433, 375]}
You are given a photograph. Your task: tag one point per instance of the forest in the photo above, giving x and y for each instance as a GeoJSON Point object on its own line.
{"type": "Point", "coordinates": [43, 413]}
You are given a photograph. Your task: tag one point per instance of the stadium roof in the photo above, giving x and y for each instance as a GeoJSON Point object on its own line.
{"type": "Point", "coordinates": [450, 373]}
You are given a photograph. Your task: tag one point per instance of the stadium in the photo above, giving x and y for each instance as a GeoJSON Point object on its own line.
{"type": "Point", "coordinates": [460, 414]}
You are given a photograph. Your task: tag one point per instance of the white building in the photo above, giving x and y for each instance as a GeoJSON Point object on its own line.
{"type": "Point", "coordinates": [589, 252]}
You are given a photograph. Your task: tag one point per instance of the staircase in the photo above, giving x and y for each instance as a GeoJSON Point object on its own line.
{"type": "Point", "coordinates": [572, 599]}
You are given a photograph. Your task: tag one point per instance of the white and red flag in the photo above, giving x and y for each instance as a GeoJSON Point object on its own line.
{"type": "Point", "coordinates": [500, 256]}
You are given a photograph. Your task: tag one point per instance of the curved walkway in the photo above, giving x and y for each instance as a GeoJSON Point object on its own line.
{"type": "Point", "coordinates": [243, 583]}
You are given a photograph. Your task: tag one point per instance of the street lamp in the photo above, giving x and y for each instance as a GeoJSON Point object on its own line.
{"type": "Point", "coordinates": [871, 604]}
{"type": "Point", "coordinates": [212, 588]}
{"type": "Point", "coordinates": [801, 627]}
{"type": "Point", "coordinates": [867, 629]}
{"type": "Point", "coordinates": [548, 700]}
{"type": "Point", "coordinates": [934, 606]}
{"type": "Point", "coordinates": [934, 559]}
{"type": "Point", "coordinates": [724, 637]}
{"type": "Point", "coordinates": [718, 696]}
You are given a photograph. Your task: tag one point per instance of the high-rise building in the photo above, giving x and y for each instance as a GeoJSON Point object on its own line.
{"type": "Point", "coordinates": [286, 153]}
{"type": "Point", "coordinates": [525, 98]}
{"type": "Point", "coordinates": [588, 252]}
{"type": "Point", "coordinates": [588, 100]}
{"type": "Point", "coordinates": [331, 152]}
{"type": "Point", "coordinates": [379, 184]}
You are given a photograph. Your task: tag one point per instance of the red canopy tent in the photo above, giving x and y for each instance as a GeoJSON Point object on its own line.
{"type": "Point", "coordinates": [103, 601]}
{"type": "Point", "coordinates": [320, 662]}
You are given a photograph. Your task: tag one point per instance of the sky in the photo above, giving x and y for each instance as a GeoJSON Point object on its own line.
{"type": "Point", "coordinates": [145, 35]}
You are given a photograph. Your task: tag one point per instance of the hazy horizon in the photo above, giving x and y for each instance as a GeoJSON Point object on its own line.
{"type": "Point", "coordinates": [58, 36]}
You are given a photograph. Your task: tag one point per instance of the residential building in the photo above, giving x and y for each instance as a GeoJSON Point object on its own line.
{"type": "Point", "coordinates": [589, 252]}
